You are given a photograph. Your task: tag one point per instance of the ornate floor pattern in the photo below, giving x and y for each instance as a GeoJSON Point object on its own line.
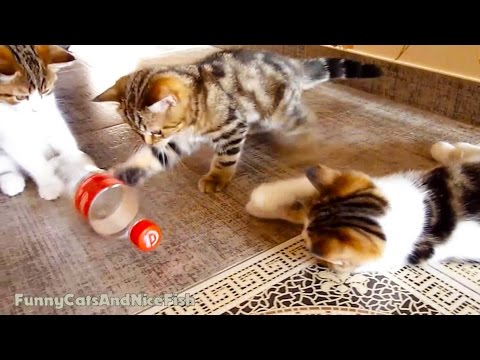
{"type": "Point", "coordinates": [285, 280]}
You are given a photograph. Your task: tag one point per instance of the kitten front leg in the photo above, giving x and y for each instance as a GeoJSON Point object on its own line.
{"type": "Point", "coordinates": [224, 164]}
{"type": "Point", "coordinates": [150, 160]}
{"type": "Point", "coordinates": [61, 138]}
{"type": "Point", "coordinates": [64, 143]}
{"type": "Point", "coordinates": [12, 182]}
{"type": "Point", "coordinates": [40, 170]}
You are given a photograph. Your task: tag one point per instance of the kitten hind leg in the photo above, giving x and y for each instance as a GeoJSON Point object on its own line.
{"type": "Point", "coordinates": [298, 119]}
{"type": "Point", "coordinates": [470, 153]}
{"type": "Point", "coordinates": [12, 181]}
{"type": "Point", "coordinates": [447, 154]}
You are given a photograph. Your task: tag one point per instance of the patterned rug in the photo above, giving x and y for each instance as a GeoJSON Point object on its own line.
{"type": "Point", "coordinates": [285, 280]}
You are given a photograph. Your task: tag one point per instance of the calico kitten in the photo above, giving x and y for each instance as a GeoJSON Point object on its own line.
{"type": "Point", "coordinates": [353, 222]}
{"type": "Point", "coordinates": [31, 126]}
{"type": "Point", "coordinates": [216, 101]}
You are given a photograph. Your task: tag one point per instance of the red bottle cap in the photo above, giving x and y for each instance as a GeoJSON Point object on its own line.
{"type": "Point", "coordinates": [90, 188]}
{"type": "Point", "coordinates": [146, 235]}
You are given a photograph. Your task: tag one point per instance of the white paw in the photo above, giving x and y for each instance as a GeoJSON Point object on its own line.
{"type": "Point", "coordinates": [466, 152]}
{"type": "Point", "coordinates": [12, 184]}
{"type": "Point", "coordinates": [259, 197]}
{"type": "Point", "coordinates": [253, 209]}
{"type": "Point", "coordinates": [457, 153]}
{"type": "Point", "coordinates": [267, 200]}
{"type": "Point", "coordinates": [51, 190]}
{"type": "Point", "coordinates": [442, 152]}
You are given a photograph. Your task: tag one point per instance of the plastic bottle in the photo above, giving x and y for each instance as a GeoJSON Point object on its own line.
{"type": "Point", "coordinates": [110, 206]}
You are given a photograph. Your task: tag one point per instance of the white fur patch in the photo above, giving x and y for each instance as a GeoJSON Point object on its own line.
{"type": "Point", "coordinates": [403, 222]}
{"type": "Point", "coordinates": [29, 133]}
{"type": "Point", "coordinates": [12, 184]}
{"type": "Point", "coordinates": [447, 154]}
{"type": "Point", "coordinates": [463, 244]}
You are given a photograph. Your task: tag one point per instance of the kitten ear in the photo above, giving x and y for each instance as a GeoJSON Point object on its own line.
{"type": "Point", "coordinates": [8, 67]}
{"type": "Point", "coordinates": [55, 56]}
{"type": "Point", "coordinates": [114, 94]}
{"type": "Point", "coordinates": [164, 93]}
{"type": "Point", "coordinates": [338, 183]}
{"type": "Point", "coordinates": [163, 105]}
{"type": "Point", "coordinates": [322, 176]}
{"type": "Point", "coordinates": [110, 95]}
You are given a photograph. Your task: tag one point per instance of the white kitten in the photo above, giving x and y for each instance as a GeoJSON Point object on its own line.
{"type": "Point", "coordinates": [32, 128]}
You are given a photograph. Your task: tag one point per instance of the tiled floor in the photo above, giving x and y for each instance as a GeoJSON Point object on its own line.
{"type": "Point", "coordinates": [47, 250]}
{"type": "Point", "coordinates": [285, 280]}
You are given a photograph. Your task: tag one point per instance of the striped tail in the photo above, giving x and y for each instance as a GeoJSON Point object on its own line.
{"type": "Point", "coordinates": [317, 71]}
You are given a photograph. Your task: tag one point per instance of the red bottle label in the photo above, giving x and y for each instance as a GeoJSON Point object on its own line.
{"type": "Point", "coordinates": [90, 188]}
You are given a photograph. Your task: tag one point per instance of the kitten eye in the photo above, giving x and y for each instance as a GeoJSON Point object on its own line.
{"type": "Point", "coordinates": [21, 97]}
{"type": "Point", "coordinates": [47, 92]}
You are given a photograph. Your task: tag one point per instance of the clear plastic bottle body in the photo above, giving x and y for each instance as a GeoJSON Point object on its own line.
{"type": "Point", "coordinates": [110, 206]}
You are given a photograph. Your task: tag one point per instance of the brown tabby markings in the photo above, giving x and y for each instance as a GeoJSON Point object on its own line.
{"type": "Point", "coordinates": [26, 69]}
{"type": "Point", "coordinates": [342, 229]}
{"type": "Point", "coordinates": [28, 59]}
{"type": "Point", "coordinates": [216, 101]}
{"type": "Point", "coordinates": [453, 195]}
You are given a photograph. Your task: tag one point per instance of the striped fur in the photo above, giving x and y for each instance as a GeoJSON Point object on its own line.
{"type": "Point", "coordinates": [343, 227]}
{"type": "Point", "coordinates": [452, 195]}
{"type": "Point", "coordinates": [34, 68]}
{"type": "Point", "coordinates": [216, 101]}
{"type": "Point", "coordinates": [357, 223]}
{"type": "Point", "coordinates": [28, 69]}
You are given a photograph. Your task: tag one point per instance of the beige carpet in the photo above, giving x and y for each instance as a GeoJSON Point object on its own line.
{"type": "Point", "coordinates": [47, 250]}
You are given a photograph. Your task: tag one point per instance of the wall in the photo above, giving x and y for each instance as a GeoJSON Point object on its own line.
{"type": "Point", "coordinates": [456, 97]}
{"type": "Point", "coordinates": [456, 60]}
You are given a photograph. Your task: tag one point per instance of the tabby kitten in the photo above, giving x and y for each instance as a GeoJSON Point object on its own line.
{"type": "Point", "coordinates": [216, 101]}
{"type": "Point", "coordinates": [353, 222]}
{"type": "Point", "coordinates": [32, 128]}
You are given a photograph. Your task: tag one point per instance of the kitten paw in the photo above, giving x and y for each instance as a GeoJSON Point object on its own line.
{"type": "Point", "coordinates": [268, 198]}
{"type": "Point", "coordinates": [130, 176]}
{"type": "Point", "coordinates": [212, 183]}
{"type": "Point", "coordinates": [52, 190]}
{"type": "Point", "coordinates": [257, 203]}
{"type": "Point", "coordinates": [442, 152]}
{"type": "Point", "coordinates": [256, 211]}
{"type": "Point", "coordinates": [12, 184]}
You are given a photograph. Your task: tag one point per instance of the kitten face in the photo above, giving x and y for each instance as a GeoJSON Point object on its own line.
{"type": "Point", "coordinates": [342, 228]}
{"type": "Point", "coordinates": [154, 105]}
{"type": "Point", "coordinates": [28, 72]}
